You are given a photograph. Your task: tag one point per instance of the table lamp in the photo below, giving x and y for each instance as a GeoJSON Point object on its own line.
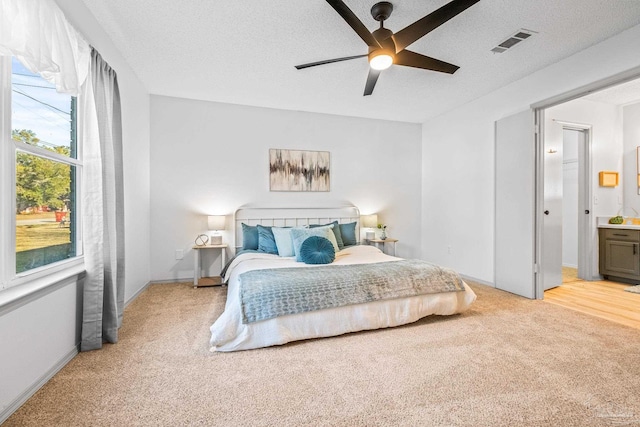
{"type": "Point", "coordinates": [370, 221]}
{"type": "Point", "coordinates": [216, 223]}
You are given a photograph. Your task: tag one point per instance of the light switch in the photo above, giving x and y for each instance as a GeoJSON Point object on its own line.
{"type": "Point", "coordinates": [179, 254]}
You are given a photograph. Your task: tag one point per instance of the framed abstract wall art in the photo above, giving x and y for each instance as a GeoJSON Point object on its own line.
{"type": "Point", "coordinates": [297, 170]}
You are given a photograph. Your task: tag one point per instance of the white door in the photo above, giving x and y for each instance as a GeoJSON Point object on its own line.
{"type": "Point", "coordinates": [515, 158]}
{"type": "Point", "coordinates": [551, 262]}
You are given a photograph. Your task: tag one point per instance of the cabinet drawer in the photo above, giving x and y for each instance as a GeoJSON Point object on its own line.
{"type": "Point", "coordinates": [624, 235]}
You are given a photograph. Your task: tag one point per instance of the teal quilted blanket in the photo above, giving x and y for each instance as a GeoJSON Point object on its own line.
{"type": "Point", "coordinates": [269, 293]}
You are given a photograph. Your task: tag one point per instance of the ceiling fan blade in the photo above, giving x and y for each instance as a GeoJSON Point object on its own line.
{"type": "Point", "coordinates": [372, 78]}
{"type": "Point", "coordinates": [353, 21]}
{"type": "Point", "coordinates": [416, 60]}
{"type": "Point", "coordinates": [421, 27]}
{"type": "Point", "coordinates": [328, 61]}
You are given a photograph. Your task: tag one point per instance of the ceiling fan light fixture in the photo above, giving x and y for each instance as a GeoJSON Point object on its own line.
{"type": "Point", "coordinates": [380, 59]}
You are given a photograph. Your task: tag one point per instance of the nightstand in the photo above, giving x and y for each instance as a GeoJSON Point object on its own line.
{"type": "Point", "coordinates": [197, 268]}
{"type": "Point", "coordinates": [383, 243]}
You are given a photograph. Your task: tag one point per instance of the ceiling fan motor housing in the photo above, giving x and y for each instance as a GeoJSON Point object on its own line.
{"type": "Point", "coordinates": [381, 11]}
{"type": "Point", "coordinates": [388, 47]}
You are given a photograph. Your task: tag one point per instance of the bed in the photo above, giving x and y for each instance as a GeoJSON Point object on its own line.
{"type": "Point", "coordinates": [239, 329]}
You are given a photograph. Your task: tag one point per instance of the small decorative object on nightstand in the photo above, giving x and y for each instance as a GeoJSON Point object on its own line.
{"type": "Point", "coordinates": [383, 234]}
{"type": "Point", "coordinates": [383, 243]}
{"type": "Point", "coordinates": [197, 268]}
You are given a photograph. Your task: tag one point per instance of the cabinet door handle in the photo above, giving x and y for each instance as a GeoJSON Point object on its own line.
{"type": "Point", "coordinates": [634, 249]}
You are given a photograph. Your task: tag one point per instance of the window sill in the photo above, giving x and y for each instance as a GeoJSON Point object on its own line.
{"type": "Point", "coordinates": [17, 296]}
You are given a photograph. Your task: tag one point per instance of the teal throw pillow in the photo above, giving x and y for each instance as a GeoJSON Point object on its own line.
{"type": "Point", "coordinates": [266, 241]}
{"type": "Point", "coordinates": [249, 237]}
{"type": "Point", "coordinates": [299, 235]}
{"type": "Point", "coordinates": [348, 232]}
{"type": "Point", "coordinates": [317, 250]}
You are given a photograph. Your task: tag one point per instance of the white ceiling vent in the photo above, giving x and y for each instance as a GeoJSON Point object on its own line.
{"type": "Point", "coordinates": [521, 35]}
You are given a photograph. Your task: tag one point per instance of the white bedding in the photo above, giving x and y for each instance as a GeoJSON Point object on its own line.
{"type": "Point", "coordinates": [228, 333]}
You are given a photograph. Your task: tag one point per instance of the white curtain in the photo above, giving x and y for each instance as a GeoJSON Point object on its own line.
{"type": "Point", "coordinates": [38, 34]}
{"type": "Point", "coordinates": [102, 206]}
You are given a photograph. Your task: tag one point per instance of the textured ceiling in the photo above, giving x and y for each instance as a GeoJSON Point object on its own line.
{"type": "Point", "coordinates": [244, 52]}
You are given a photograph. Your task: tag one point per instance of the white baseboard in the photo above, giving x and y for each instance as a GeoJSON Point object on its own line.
{"type": "Point", "coordinates": [162, 282]}
{"type": "Point", "coordinates": [473, 279]}
{"type": "Point", "coordinates": [22, 398]}
{"type": "Point", "coordinates": [134, 296]}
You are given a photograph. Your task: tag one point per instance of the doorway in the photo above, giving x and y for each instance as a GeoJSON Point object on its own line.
{"type": "Point", "coordinates": [574, 183]}
{"type": "Point", "coordinates": [567, 213]}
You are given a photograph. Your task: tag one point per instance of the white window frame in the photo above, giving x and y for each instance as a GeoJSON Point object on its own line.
{"type": "Point", "coordinates": [8, 150]}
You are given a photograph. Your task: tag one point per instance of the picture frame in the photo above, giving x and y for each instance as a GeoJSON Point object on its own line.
{"type": "Point", "coordinates": [299, 170]}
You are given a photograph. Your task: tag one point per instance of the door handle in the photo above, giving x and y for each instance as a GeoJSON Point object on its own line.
{"type": "Point", "coordinates": [586, 211]}
{"type": "Point", "coordinates": [546, 212]}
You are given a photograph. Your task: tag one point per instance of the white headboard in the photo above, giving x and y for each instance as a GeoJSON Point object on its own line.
{"type": "Point", "coordinates": [292, 217]}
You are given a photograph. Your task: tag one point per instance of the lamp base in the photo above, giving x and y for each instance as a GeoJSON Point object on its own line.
{"type": "Point", "coordinates": [215, 240]}
{"type": "Point", "coordinates": [370, 235]}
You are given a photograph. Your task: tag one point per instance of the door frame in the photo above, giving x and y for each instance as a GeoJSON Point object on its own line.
{"type": "Point", "coordinates": [586, 222]}
{"type": "Point", "coordinates": [538, 109]}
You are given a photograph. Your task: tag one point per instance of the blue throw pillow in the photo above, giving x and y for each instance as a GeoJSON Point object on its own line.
{"type": "Point", "coordinates": [299, 235]}
{"type": "Point", "coordinates": [317, 250]}
{"type": "Point", "coordinates": [336, 232]}
{"type": "Point", "coordinates": [266, 241]}
{"type": "Point", "coordinates": [249, 237]}
{"type": "Point", "coordinates": [284, 243]}
{"type": "Point", "coordinates": [348, 232]}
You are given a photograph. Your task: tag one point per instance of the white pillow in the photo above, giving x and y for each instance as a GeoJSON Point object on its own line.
{"type": "Point", "coordinates": [284, 243]}
{"type": "Point", "coordinates": [299, 235]}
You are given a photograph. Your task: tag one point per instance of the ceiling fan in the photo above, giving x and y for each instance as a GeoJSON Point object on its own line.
{"type": "Point", "coordinates": [387, 48]}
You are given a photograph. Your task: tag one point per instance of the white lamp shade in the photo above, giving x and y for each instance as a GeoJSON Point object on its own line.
{"type": "Point", "coordinates": [216, 222]}
{"type": "Point", "coordinates": [370, 221]}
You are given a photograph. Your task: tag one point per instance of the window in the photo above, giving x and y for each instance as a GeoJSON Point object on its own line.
{"type": "Point", "coordinates": [40, 206]}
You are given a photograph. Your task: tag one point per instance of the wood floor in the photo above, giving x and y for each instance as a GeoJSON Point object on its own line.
{"type": "Point", "coordinates": [604, 299]}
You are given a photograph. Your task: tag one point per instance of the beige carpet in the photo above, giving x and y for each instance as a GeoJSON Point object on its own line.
{"type": "Point", "coordinates": [506, 362]}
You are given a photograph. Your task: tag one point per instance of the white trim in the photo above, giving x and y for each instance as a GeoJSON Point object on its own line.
{"type": "Point", "coordinates": [17, 296]}
{"type": "Point", "coordinates": [31, 390]}
{"type": "Point", "coordinates": [473, 279]}
{"type": "Point", "coordinates": [136, 295]}
{"type": "Point", "coordinates": [596, 86]}
{"type": "Point", "coordinates": [7, 169]}
{"type": "Point", "coordinates": [46, 154]}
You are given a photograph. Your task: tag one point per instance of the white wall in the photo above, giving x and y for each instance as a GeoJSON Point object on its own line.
{"type": "Point", "coordinates": [631, 137]}
{"type": "Point", "coordinates": [212, 158]}
{"type": "Point", "coordinates": [38, 336]}
{"type": "Point", "coordinates": [458, 149]}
